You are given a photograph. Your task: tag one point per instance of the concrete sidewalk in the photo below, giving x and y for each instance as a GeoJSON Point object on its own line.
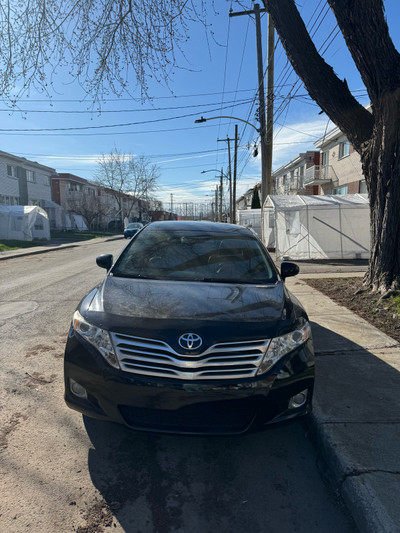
{"type": "Point", "coordinates": [356, 414]}
{"type": "Point", "coordinates": [53, 246]}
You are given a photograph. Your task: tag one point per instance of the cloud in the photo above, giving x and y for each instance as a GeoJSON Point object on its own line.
{"type": "Point", "coordinates": [90, 159]}
{"type": "Point", "coordinates": [198, 191]}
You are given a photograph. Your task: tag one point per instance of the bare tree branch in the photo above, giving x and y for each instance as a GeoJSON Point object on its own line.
{"type": "Point", "coordinates": [331, 93]}
{"type": "Point", "coordinates": [91, 208]}
{"type": "Point", "coordinates": [375, 56]}
{"type": "Point", "coordinates": [128, 178]}
{"type": "Point", "coordinates": [103, 42]}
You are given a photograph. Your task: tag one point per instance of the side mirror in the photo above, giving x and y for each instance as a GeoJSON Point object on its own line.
{"type": "Point", "coordinates": [289, 269]}
{"type": "Point", "coordinates": [105, 261]}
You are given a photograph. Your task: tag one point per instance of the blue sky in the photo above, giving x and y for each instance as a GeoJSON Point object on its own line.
{"type": "Point", "coordinates": [218, 78]}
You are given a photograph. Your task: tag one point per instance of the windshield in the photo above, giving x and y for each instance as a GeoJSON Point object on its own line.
{"type": "Point", "coordinates": [195, 256]}
{"type": "Point", "coordinates": [134, 225]}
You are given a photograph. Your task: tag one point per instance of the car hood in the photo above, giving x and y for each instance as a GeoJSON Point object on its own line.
{"type": "Point", "coordinates": [159, 309]}
{"type": "Point", "coordinates": [160, 299]}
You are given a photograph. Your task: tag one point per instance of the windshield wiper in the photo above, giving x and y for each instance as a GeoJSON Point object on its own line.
{"type": "Point", "coordinates": [132, 276]}
{"type": "Point", "coordinates": [233, 281]}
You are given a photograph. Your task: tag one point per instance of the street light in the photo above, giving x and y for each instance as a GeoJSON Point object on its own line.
{"type": "Point", "coordinates": [216, 193]}
{"type": "Point", "coordinates": [265, 180]}
{"type": "Point", "coordinates": [202, 119]}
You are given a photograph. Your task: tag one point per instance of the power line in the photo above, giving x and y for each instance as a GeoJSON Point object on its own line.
{"type": "Point", "coordinates": [79, 128]}
{"type": "Point", "coordinates": [146, 110]}
{"type": "Point", "coordinates": [107, 100]}
{"type": "Point", "coordinates": [152, 156]}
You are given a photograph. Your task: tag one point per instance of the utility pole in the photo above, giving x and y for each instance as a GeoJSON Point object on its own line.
{"type": "Point", "coordinates": [230, 178]}
{"type": "Point", "coordinates": [270, 101]}
{"type": "Point", "coordinates": [265, 164]}
{"type": "Point", "coordinates": [216, 204]}
{"type": "Point", "coordinates": [228, 140]}
{"type": "Point", "coordinates": [172, 202]}
{"type": "Point", "coordinates": [234, 176]}
{"type": "Point", "coordinates": [221, 185]}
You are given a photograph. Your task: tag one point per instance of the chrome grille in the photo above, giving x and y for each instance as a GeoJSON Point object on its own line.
{"type": "Point", "coordinates": [152, 357]}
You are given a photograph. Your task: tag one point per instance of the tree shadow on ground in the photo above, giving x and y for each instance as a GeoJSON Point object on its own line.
{"type": "Point", "coordinates": [265, 481]}
{"type": "Point", "coordinates": [260, 482]}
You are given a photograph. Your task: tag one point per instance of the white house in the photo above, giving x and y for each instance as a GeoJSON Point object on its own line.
{"type": "Point", "coordinates": [24, 182]}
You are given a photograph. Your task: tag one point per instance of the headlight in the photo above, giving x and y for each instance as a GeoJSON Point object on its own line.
{"type": "Point", "coordinates": [280, 346]}
{"type": "Point", "coordinates": [98, 337]}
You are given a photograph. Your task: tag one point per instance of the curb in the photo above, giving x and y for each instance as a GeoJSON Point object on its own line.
{"type": "Point", "coordinates": [32, 251]}
{"type": "Point", "coordinates": [36, 252]}
{"type": "Point", "coordinates": [362, 501]}
{"type": "Point", "coordinates": [354, 424]}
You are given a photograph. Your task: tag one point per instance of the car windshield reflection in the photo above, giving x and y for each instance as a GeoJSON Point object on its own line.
{"type": "Point", "coordinates": [202, 256]}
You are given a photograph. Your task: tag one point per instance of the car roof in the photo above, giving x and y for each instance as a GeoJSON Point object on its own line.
{"type": "Point", "coordinates": [200, 227]}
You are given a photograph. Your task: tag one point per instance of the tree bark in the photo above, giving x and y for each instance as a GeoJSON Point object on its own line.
{"type": "Point", "coordinates": [381, 167]}
{"type": "Point", "coordinates": [375, 134]}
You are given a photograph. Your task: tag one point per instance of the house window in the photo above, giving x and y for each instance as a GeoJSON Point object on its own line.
{"type": "Point", "coordinates": [30, 176]}
{"type": "Point", "coordinates": [11, 171]}
{"type": "Point", "coordinates": [8, 200]}
{"type": "Point", "coordinates": [344, 149]}
{"type": "Point", "coordinates": [324, 159]}
{"type": "Point", "coordinates": [363, 187]}
{"type": "Point", "coordinates": [341, 190]}
{"type": "Point", "coordinates": [34, 201]}
{"type": "Point", "coordinates": [74, 187]}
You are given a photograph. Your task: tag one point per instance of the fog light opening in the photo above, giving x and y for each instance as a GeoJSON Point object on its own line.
{"type": "Point", "coordinates": [298, 400]}
{"type": "Point", "coordinates": [77, 389]}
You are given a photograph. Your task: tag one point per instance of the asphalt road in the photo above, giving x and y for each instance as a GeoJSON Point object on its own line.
{"type": "Point", "coordinates": [62, 473]}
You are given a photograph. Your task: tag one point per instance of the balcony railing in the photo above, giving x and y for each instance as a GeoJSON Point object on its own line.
{"type": "Point", "coordinates": [319, 174]}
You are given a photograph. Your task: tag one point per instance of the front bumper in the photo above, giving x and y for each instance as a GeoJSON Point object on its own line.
{"type": "Point", "coordinates": [175, 406]}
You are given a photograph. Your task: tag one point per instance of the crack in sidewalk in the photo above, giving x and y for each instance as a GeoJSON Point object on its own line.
{"type": "Point", "coordinates": [358, 473]}
{"type": "Point", "coordinates": [322, 353]}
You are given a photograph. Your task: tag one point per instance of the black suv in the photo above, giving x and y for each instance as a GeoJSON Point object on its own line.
{"type": "Point", "coordinates": [192, 331]}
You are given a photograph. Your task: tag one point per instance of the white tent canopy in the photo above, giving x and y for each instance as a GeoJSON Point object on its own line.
{"type": "Point", "coordinates": [250, 218]}
{"type": "Point", "coordinates": [318, 227]}
{"type": "Point", "coordinates": [24, 223]}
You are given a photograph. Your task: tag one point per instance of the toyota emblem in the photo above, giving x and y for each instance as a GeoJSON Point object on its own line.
{"type": "Point", "coordinates": [190, 341]}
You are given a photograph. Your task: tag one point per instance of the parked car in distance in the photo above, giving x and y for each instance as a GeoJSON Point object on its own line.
{"type": "Point", "coordinates": [131, 229]}
{"type": "Point", "coordinates": [192, 331]}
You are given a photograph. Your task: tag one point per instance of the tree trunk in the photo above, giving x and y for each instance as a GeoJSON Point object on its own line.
{"type": "Point", "coordinates": [376, 135]}
{"type": "Point", "coordinates": [381, 166]}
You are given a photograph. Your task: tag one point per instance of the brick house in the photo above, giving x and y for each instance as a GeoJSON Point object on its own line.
{"type": "Point", "coordinates": [82, 198]}
{"type": "Point", "coordinates": [291, 177]}
{"type": "Point", "coordinates": [340, 165]}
